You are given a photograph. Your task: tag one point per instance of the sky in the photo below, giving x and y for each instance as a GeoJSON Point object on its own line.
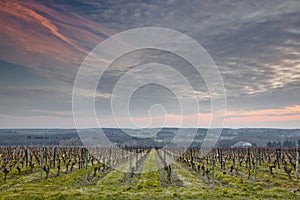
{"type": "Point", "coordinates": [255, 45]}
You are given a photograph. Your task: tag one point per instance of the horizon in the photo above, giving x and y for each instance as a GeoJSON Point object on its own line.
{"type": "Point", "coordinates": [41, 128]}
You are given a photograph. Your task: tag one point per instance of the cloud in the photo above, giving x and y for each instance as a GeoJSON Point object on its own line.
{"type": "Point", "coordinates": [254, 43]}
{"type": "Point", "coordinates": [25, 101]}
{"type": "Point", "coordinates": [50, 42]}
{"type": "Point", "coordinates": [259, 118]}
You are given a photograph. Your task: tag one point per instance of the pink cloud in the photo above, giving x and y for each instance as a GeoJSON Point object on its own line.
{"type": "Point", "coordinates": [36, 36]}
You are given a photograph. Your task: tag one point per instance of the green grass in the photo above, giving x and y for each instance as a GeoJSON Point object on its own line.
{"type": "Point", "coordinates": [115, 184]}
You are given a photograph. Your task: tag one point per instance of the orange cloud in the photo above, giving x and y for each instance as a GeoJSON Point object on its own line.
{"type": "Point", "coordinates": [34, 35]}
{"type": "Point", "coordinates": [248, 118]}
{"type": "Point", "coordinates": [268, 112]}
{"type": "Point", "coordinates": [233, 118]}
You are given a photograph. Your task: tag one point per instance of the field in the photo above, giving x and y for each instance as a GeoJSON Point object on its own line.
{"type": "Point", "coordinates": [148, 173]}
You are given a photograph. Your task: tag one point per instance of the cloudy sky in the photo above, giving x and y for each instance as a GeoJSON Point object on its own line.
{"type": "Point", "coordinates": [255, 44]}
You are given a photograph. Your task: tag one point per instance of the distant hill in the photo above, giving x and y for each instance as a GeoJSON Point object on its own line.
{"type": "Point", "coordinates": [145, 137]}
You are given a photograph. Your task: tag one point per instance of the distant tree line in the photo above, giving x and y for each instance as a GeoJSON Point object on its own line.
{"type": "Point", "coordinates": [285, 143]}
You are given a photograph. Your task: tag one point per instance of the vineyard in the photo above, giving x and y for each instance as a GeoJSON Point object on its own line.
{"type": "Point", "coordinates": [56, 172]}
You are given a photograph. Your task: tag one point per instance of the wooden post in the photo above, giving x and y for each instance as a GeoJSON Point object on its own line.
{"type": "Point", "coordinates": [136, 159]}
{"type": "Point", "coordinates": [297, 163]}
{"type": "Point", "coordinates": [238, 152]}
{"type": "Point", "coordinates": [109, 157]}
{"type": "Point", "coordinates": [130, 165]}
{"type": "Point", "coordinates": [259, 157]}
{"type": "Point", "coordinates": [220, 159]}
{"type": "Point", "coordinates": [213, 167]}
{"type": "Point", "coordinates": [86, 164]}
{"type": "Point", "coordinates": [54, 156]}
{"type": "Point", "coordinates": [278, 155]}
{"type": "Point", "coordinates": [249, 159]}
{"type": "Point", "coordinates": [172, 161]}
{"type": "Point", "coordinates": [41, 163]}
{"type": "Point", "coordinates": [26, 156]}
{"type": "Point", "coordinates": [255, 166]}
{"type": "Point", "coordinates": [122, 158]}
{"type": "Point", "coordinates": [165, 162]}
